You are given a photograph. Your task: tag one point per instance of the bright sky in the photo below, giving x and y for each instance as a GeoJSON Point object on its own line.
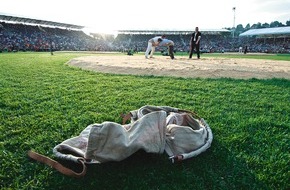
{"type": "Point", "coordinates": [109, 15]}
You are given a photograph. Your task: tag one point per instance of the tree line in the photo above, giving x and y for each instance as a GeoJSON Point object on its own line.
{"type": "Point", "coordinates": [240, 28]}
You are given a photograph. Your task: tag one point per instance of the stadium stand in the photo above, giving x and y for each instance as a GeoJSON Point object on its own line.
{"type": "Point", "coordinates": [268, 32]}
{"type": "Point", "coordinates": [268, 40]}
{"type": "Point", "coordinates": [25, 34]}
{"type": "Point", "coordinates": [16, 19]}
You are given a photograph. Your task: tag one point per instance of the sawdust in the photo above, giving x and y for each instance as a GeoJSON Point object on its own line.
{"type": "Point", "coordinates": [184, 67]}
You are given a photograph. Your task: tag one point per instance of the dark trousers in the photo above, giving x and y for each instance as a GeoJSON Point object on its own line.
{"type": "Point", "coordinates": [170, 50]}
{"type": "Point", "coordinates": [195, 47]}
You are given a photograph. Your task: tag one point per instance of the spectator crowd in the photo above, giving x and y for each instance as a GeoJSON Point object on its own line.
{"type": "Point", "coordinates": [21, 37]}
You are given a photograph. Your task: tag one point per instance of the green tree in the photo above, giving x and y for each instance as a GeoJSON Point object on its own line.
{"type": "Point", "coordinates": [265, 25]}
{"type": "Point", "coordinates": [248, 26]}
{"type": "Point", "coordinates": [276, 24]}
{"type": "Point", "coordinates": [239, 29]}
{"type": "Point", "coordinates": [254, 26]}
{"type": "Point", "coordinates": [259, 25]}
{"type": "Point", "coordinates": [288, 23]}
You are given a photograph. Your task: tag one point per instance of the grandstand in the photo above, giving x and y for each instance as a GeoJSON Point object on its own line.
{"type": "Point", "coordinates": [26, 34]}
{"type": "Point", "coordinates": [268, 40]}
{"type": "Point", "coordinates": [30, 21]}
{"type": "Point", "coordinates": [174, 32]}
{"type": "Point", "coordinates": [277, 32]}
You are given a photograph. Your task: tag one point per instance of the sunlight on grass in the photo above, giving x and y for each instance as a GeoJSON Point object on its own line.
{"type": "Point", "coordinates": [44, 101]}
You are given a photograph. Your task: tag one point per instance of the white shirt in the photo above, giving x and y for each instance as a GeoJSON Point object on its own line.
{"type": "Point", "coordinates": [155, 39]}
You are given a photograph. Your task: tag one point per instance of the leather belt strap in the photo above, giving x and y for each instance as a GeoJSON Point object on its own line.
{"type": "Point", "coordinates": [56, 165]}
{"type": "Point", "coordinates": [126, 117]}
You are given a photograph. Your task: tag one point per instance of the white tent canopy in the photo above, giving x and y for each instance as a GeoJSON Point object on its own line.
{"type": "Point", "coordinates": [277, 31]}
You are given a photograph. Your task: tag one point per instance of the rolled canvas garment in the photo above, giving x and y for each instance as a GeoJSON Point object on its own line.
{"type": "Point", "coordinates": [183, 139]}
{"type": "Point", "coordinates": [73, 148]}
{"type": "Point", "coordinates": [154, 129]}
{"type": "Point", "coordinates": [184, 134]}
{"type": "Point", "coordinates": [136, 114]}
{"type": "Point", "coordinates": [111, 141]}
{"type": "Point", "coordinates": [188, 138]}
{"type": "Point", "coordinates": [205, 146]}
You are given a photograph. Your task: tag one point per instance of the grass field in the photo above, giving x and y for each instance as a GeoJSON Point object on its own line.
{"type": "Point", "coordinates": [44, 102]}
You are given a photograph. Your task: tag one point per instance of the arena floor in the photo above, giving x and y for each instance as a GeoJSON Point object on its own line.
{"type": "Point", "coordinates": [183, 67]}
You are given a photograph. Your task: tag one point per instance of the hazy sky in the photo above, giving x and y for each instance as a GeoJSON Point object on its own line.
{"type": "Point", "coordinates": [107, 15]}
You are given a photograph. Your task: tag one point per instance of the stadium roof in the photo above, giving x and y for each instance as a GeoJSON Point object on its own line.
{"type": "Point", "coordinates": [17, 19]}
{"type": "Point", "coordinates": [277, 31]}
{"type": "Point", "coordinates": [168, 32]}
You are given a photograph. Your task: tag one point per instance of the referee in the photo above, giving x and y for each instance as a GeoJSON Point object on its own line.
{"type": "Point", "coordinates": [194, 43]}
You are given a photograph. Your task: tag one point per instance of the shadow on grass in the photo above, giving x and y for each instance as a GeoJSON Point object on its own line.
{"type": "Point", "coordinates": [217, 168]}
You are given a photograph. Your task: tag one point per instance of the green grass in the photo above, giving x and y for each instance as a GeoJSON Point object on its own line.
{"type": "Point", "coordinates": [44, 102]}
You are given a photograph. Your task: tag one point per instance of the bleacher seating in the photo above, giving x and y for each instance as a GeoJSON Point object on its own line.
{"type": "Point", "coordinates": [20, 37]}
